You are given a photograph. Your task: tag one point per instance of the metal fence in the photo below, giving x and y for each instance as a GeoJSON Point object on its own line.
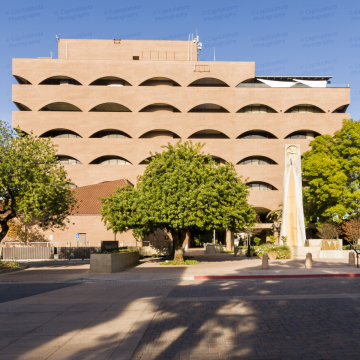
{"type": "Point", "coordinates": [27, 253]}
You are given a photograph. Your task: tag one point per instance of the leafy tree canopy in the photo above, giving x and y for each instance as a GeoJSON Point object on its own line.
{"type": "Point", "coordinates": [181, 189]}
{"type": "Point", "coordinates": [331, 172]}
{"type": "Point", "coordinates": [32, 183]}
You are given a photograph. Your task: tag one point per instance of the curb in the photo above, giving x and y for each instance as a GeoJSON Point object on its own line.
{"type": "Point", "coordinates": [13, 269]}
{"type": "Point", "coordinates": [272, 276]}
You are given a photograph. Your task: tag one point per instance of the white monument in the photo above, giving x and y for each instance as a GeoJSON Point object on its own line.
{"type": "Point", "coordinates": [293, 224]}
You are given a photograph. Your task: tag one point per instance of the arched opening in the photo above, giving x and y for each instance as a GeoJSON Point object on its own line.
{"type": "Point", "coordinates": [341, 109]}
{"type": "Point", "coordinates": [218, 160]}
{"type": "Point", "coordinates": [256, 134]}
{"type": "Point", "coordinates": [60, 133]}
{"type": "Point", "coordinates": [159, 81]}
{"type": "Point", "coordinates": [252, 82]}
{"type": "Point", "coordinates": [110, 81]}
{"type": "Point", "coordinates": [21, 80]}
{"type": "Point", "coordinates": [159, 107]}
{"type": "Point", "coordinates": [67, 160]}
{"type": "Point", "coordinates": [60, 80]}
{"type": "Point", "coordinates": [304, 109]}
{"type": "Point", "coordinates": [303, 134]}
{"type": "Point", "coordinates": [256, 109]}
{"type": "Point", "coordinates": [262, 214]}
{"type": "Point", "coordinates": [159, 133]}
{"type": "Point", "coordinates": [208, 134]}
{"type": "Point", "coordinates": [208, 108]}
{"type": "Point", "coordinates": [209, 82]}
{"type": "Point", "coordinates": [60, 106]}
{"type": "Point", "coordinates": [110, 133]}
{"type": "Point", "coordinates": [260, 186]}
{"type": "Point", "coordinates": [110, 160]}
{"type": "Point", "coordinates": [22, 107]}
{"type": "Point", "coordinates": [146, 161]}
{"type": "Point", "coordinates": [110, 107]}
{"type": "Point", "coordinates": [257, 160]}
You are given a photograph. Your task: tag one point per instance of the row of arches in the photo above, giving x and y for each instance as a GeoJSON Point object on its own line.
{"type": "Point", "coordinates": [117, 160]}
{"type": "Point", "coordinates": [202, 134]}
{"type": "Point", "coordinates": [117, 81]}
{"type": "Point", "coordinates": [201, 108]}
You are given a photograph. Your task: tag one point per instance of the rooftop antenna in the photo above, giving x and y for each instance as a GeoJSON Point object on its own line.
{"type": "Point", "coordinates": [57, 37]}
{"type": "Point", "coordinates": [51, 54]}
{"type": "Point", "coordinates": [198, 47]}
{"type": "Point", "coordinates": [214, 54]}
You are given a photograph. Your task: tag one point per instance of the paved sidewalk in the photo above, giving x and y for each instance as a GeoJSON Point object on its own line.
{"type": "Point", "coordinates": [222, 319]}
{"type": "Point", "coordinates": [150, 270]}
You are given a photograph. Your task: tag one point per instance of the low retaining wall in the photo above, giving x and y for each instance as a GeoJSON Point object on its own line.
{"type": "Point", "coordinates": [213, 249]}
{"type": "Point", "coordinates": [300, 251]}
{"type": "Point", "coordinates": [113, 263]}
{"type": "Point", "coordinates": [335, 254]}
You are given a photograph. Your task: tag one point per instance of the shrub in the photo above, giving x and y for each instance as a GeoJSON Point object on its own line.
{"type": "Point", "coordinates": [9, 264]}
{"type": "Point", "coordinates": [257, 241]}
{"type": "Point", "coordinates": [185, 262]}
{"type": "Point", "coordinates": [272, 239]}
{"type": "Point", "coordinates": [155, 256]}
{"type": "Point", "coordinates": [328, 231]}
{"type": "Point", "coordinates": [282, 251]}
{"type": "Point", "coordinates": [284, 240]}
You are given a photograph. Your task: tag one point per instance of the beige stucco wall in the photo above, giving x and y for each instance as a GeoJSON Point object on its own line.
{"type": "Point", "coordinates": [89, 60]}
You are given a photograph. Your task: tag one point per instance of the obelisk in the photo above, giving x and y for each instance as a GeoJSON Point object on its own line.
{"type": "Point", "coordinates": [293, 224]}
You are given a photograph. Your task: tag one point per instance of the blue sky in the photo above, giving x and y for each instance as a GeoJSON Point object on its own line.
{"type": "Point", "coordinates": [282, 37]}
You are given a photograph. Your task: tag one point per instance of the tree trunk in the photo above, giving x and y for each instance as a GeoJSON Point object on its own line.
{"type": "Point", "coordinates": [4, 228]}
{"type": "Point", "coordinates": [177, 245]}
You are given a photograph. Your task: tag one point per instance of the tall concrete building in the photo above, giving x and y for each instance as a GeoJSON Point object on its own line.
{"type": "Point", "coordinates": [108, 103]}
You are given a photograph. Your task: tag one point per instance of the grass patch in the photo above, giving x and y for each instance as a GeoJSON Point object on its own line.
{"type": "Point", "coordinates": [185, 262]}
{"type": "Point", "coordinates": [117, 251]}
{"type": "Point", "coordinates": [8, 265]}
{"type": "Point", "coordinates": [227, 252]}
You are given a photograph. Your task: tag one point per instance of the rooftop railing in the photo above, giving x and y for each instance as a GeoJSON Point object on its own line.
{"type": "Point", "coordinates": [292, 87]}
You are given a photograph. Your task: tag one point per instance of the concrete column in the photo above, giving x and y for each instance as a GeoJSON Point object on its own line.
{"type": "Point", "coordinates": [352, 259]}
{"type": "Point", "coordinates": [308, 261]}
{"type": "Point", "coordinates": [268, 233]}
{"type": "Point", "coordinates": [229, 240]}
{"type": "Point", "coordinates": [265, 262]}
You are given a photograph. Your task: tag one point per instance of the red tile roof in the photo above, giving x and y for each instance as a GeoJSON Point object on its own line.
{"type": "Point", "coordinates": [90, 204]}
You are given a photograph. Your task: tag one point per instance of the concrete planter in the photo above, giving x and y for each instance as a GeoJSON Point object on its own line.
{"type": "Point", "coordinates": [213, 249]}
{"type": "Point", "coordinates": [272, 255]}
{"type": "Point", "coordinates": [113, 263]}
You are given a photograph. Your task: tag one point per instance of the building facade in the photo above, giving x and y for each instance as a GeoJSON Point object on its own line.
{"type": "Point", "coordinates": [108, 103]}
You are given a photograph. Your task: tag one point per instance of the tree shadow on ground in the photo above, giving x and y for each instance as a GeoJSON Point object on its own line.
{"type": "Point", "coordinates": [153, 320]}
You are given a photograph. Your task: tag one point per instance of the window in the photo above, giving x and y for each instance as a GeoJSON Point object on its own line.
{"type": "Point", "coordinates": [61, 133]}
{"type": "Point", "coordinates": [67, 160]}
{"type": "Point", "coordinates": [111, 160]}
{"type": "Point", "coordinates": [136, 58]}
{"type": "Point", "coordinates": [112, 134]}
{"type": "Point", "coordinates": [260, 186]}
{"type": "Point", "coordinates": [304, 109]}
{"type": "Point", "coordinates": [211, 108]}
{"type": "Point", "coordinates": [257, 160]}
{"type": "Point", "coordinates": [303, 134]}
{"type": "Point", "coordinates": [208, 134]}
{"type": "Point", "coordinates": [257, 134]}
{"type": "Point", "coordinates": [257, 108]}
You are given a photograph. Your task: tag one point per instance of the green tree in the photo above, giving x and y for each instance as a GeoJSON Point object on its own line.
{"type": "Point", "coordinates": [181, 189]}
{"type": "Point", "coordinates": [331, 174]}
{"type": "Point", "coordinates": [32, 183]}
